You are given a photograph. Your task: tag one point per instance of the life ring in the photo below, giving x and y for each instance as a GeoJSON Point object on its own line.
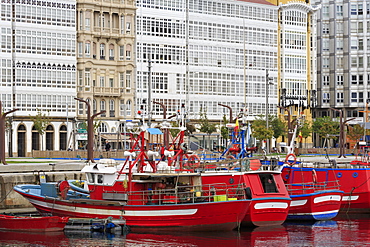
{"type": "Point", "coordinates": [294, 159]}
{"type": "Point", "coordinates": [314, 176]}
{"type": "Point", "coordinates": [193, 161]}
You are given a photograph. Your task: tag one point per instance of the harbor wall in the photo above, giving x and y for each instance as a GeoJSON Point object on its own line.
{"type": "Point", "coordinates": [11, 175]}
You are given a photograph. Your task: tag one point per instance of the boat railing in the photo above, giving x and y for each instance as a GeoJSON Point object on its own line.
{"type": "Point", "coordinates": [187, 194]}
{"type": "Point", "coordinates": [311, 187]}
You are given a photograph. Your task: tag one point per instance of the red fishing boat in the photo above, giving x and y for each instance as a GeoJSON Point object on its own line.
{"type": "Point", "coordinates": [270, 201]}
{"type": "Point", "coordinates": [33, 224]}
{"type": "Point", "coordinates": [150, 201]}
{"type": "Point", "coordinates": [353, 181]}
{"type": "Point", "coordinates": [313, 197]}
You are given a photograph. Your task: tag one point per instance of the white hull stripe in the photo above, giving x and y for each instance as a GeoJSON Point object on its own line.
{"type": "Point", "coordinates": [298, 203]}
{"type": "Point", "coordinates": [316, 213]}
{"type": "Point", "coordinates": [267, 205]}
{"type": "Point", "coordinates": [327, 198]}
{"type": "Point", "coordinates": [141, 213]}
{"type": "Point", "coordinates": [350, 198]}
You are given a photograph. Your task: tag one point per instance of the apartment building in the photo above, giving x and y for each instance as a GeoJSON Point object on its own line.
{"type": "Point", "coordinates": [105, 65]}
{"type": "Point", "coordinates": [196, 48]}
{"type": "Point", "coordinates": [343, 59]}
{"type": "Point", "coordinates": [38, 72]}
{"type": "Point", "coordinates": [297, 63]}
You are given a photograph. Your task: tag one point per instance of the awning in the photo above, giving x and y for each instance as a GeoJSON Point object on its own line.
{"type": "Point", "coordinates": [113, 137]}
{"type": "Point", "coordinates": [154, 131]}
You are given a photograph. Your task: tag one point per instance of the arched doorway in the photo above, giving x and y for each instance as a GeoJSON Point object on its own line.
{"type": "Point", "coordinates": [49, 137]}
{"type": "Point", "coordinates": [21, 140]}
{"type": "Point", "coordinates": [35, 139]}
{"type": "Point", "coordinates": [63, 137]}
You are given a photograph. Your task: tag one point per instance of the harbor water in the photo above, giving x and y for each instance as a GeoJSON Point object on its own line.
{"type": "Point", "coordinates": [343, 231]}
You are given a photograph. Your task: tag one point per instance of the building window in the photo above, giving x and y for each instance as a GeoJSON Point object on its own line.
{"type": "Point", "coordinates": [339, 27]}
{"type": "Point", "coordinates": [122, 24]}
{"type": "Point", "coordinates": [81, 108]}
{"type": "Point", "coordinates": [81, 20]}
{"type": "Point", "coordinates": [102, 107]}
{"type": "Point", "coordinates": [111, 108]}
{"type": "Point", "coordinates": [325, 11]}
{"type": "Point", "coordinates": [340, 80]}
{"type": "Point", "coordinates": [87, 24]}
{"type": "Point", "coordinates": [326, 98]}
{"type": "Point", "coordinates": [94, 106]}
{"type": "Point", "coordinates": [122, 107]}
{"type": "Point", "coordinates": [111, 82]}
{"type": "Point", "coordinates": [103, 128]}
{"type": "Point", "coordinates": [325, 80]}
{"type": "Point", "coordinates": [325, 45]}
{"type": "Point", "coordinates": [87, 49]}
{"type": "Point", "coordinates": [353, 97]}
{"type": "Point", "coordinates": [128, 79]}
{"type": "Point", "coordinates": [340, 62]}
{"type": "Point", "coordinates": [339, 44]}
{"type": "Point", "coordinates": [80, 78]}
{"type": "Point", "coordinates": [128, 52]}
{"type": "Point", "coordinates": [121, 52]}
{"type": "Point", "coordinates": [361, 79]}
{"type": "Point", "coordinates": [325, 28]}
{"type": "Point", "coordinates": [128, 27]}
{"type": "Point", "coordinates": [360, 62]}
{"type": "Point", "coordinates": [102, 51]}
{"type": "Point", "coordinates": [87, 77]}
{"type": "Point", "coordinates": [339, 10]}
{"type": "Point", "coordinates": [340, 98]}
{"type": "Point", "coordinates": [360, 9]}
{"type": "Point", "coordinates": [325, 62]}
{"type": "Point", "coordinates": [102, 81]}
{"type": "Point", "coordinates": [354, 79]}
{"type": "Point", "coordinates": [354, 43]}
{"type": "Point", "coordinates": [360, 44]}
{"type": "Point", "coordinates": [111, 52]}
{"type": "Point", "coordinates": [121, 80]}
{"type": "Point", "coordinates": [80, 49]}
{"type": "Point", "coordinates": [128, 108]}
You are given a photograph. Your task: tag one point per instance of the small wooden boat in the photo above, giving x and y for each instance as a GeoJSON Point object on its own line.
{"type": "Point", "coordinates": [34, 224]}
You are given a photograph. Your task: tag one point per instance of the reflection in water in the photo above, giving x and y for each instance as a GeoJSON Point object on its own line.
{"type": "Point", "coordinates": [342, 232]}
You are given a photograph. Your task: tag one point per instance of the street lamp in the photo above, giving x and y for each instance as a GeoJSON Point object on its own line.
{"type": "Point", "coordinates": [289, 124]}
{"type": "Point", "coordinates": [2, 133]}
{"type": "Point", "coordinates": [90, 130]}
{"type": "Point", "coordinates": [230, 111]}
{"type": "Point", "coordinates": [268, 82]}
{"type": "Point", "coordinates": [341, 134]}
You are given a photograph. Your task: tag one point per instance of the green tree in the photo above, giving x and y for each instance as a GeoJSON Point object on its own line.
{"type": "Point", "coordinates": [326, 128]}
{"type": "Point", "coordinates": [277, 125]}
{"type": "Point", "coordinates": [205, 125]}
{"type": "Point", "coordinates": [355, 132]}
{"type": "Point", "coordinates": [259, 130]}
{"type": "Point", "coordinates": [305, 130]}
{"type": "Point", "coordinates": [40, 122]}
